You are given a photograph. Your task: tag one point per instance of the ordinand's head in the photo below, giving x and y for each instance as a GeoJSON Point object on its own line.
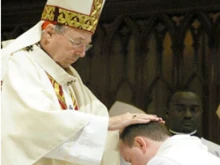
{"type": "Point", "coordinates": [140, 142]}
{"type": "Point", "coordinates": [184, 112]}
{"type": "Point", "coordinates": [68, 28]}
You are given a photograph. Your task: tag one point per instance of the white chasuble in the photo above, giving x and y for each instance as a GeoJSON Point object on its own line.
{"type": "Point", "coordinates": [34, 128]}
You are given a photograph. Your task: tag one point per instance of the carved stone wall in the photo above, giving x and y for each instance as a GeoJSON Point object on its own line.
{"type": "Point", "coordinates": [143, 51]}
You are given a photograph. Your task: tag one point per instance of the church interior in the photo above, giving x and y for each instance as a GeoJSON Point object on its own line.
{"type": "Point", "coordinates": [143, 51]}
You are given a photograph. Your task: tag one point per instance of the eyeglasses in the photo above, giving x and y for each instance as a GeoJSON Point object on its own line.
{"type": "Point", "coordinates": [76, 44]}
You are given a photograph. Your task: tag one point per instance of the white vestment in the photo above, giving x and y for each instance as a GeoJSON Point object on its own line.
{"type": "Point", "coordinates": [212, 147]}
{"type": "Point", "coordinates": [34, 128]}
{"type": "Point", "coordinates": [183, 150]}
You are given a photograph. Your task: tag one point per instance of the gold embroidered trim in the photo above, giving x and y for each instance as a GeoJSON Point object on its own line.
{"type": "Point", "coordinates": [59, 92]}
{"type": "Point", "coordinates": [72, 18]}
{"type": "Point", "coordinates": [60, 95]}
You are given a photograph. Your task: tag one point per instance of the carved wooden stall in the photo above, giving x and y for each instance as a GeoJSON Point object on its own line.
{"type": "Point", "coordinates": [145, 50]}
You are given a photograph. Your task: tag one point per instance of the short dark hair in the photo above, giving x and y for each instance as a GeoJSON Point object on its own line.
{"type": "Point", "coordinates": [152, 130]}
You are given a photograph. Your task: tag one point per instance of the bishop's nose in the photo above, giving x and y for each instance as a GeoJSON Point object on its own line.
{"type": "Point", "coordinates": [81, 51]}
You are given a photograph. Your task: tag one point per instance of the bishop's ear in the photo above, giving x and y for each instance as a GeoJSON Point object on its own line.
{"type": "Point", "coordinates": [49, 30]}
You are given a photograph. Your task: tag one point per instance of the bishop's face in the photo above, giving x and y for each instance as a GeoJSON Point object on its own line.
{"type": "Point", "coordinates": [185, 112]}
{"type": "Point", "coordinates": [65, 45]}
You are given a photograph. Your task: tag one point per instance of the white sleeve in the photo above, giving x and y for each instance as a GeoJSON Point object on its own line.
{"type": "Point", "coordinates": [212, 147]}
{"type": "Point", "coordinates": [86, 147]}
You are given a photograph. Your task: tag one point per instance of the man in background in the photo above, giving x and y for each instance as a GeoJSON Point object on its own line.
{"type": "Point", "coordinates": [184, 116]}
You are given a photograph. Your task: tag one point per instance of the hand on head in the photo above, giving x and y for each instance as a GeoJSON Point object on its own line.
{"type": "Point", "coordinates": [121, 121]}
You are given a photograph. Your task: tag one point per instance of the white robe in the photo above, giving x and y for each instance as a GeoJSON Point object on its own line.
{"type": "Point", "coordinates": [212, 147]}
{"type": "Point", "coordinates": [183, 150]}
{"type": "Point", "coordinates": [34, 128]}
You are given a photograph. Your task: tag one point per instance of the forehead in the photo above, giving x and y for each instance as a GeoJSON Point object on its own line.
{"type": "Point", "coordinates": [186, 98]}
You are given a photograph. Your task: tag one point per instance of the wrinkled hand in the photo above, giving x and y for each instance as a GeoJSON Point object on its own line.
{"type": "Point", "coordinates": [126, 119]}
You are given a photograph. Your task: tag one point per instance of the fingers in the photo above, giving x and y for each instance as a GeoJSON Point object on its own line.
{"type": "Point", "coordinates": [145, 118]}
{"type": "Point", "coordinates": [140, 118]}
{"type": "Point", "coordinates": [121, 121]}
